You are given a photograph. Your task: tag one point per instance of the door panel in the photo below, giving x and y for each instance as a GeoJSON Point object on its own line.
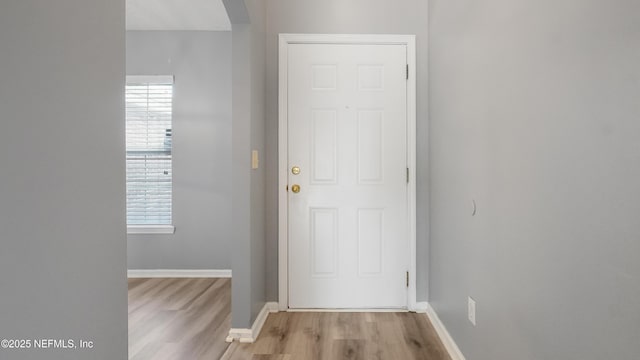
{"type": "Point", "coordinates": [347, 125]}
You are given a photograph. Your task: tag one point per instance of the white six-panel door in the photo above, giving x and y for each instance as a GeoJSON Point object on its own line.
{"type": "Point", "coordinates": [347, 135]}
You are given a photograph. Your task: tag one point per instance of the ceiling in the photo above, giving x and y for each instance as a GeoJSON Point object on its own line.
{"type": "Point", "coordinates": [177, 15]}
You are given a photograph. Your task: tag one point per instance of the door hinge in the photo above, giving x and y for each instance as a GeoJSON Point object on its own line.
{"type": "Point", "coordinates": [407, 71]}
{"type": "Point", "coordinates": [407, 279]}
{"type": "Point", "coordinates": [407, 175]}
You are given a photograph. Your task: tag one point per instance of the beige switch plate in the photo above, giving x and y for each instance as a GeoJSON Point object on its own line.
{"type": "Point", "coordinates": [254, 159]}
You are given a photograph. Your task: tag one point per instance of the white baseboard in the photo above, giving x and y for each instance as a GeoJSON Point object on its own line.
{"type": "Point", "coordinates": [250, 335]}
{"type": "Point", "coordinates": [421, 307]}
{"type": "Point", "coordinates": [447, 340]}
{"type": "Point", "coordinates": [352, 310]}
{"type": "Point", "coordinates": [165, 273]}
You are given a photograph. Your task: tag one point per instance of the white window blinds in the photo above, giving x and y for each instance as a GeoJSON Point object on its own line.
{"type": "Point", "coordinates": [148, 137]}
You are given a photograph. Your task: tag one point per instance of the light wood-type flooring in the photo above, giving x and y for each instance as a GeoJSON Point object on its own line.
{"type": "Point", "coordinates": [337, 336]}
{"type": "Point", "coordinates": [178, 318]}
{"type": "Point", "coordinates": [188, 319]}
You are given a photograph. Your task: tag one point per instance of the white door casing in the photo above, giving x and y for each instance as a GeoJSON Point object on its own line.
{"type": "Point", "coordinates": [347, 120]}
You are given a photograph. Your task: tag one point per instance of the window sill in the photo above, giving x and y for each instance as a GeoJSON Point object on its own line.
{"type": "Point", "coordinates": [151, 229]}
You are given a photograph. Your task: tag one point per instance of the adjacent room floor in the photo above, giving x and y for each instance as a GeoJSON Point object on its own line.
{"type": "Point", "coordinates": [190, 318]}
{"type": "Point", "coordinates": [178, 318]}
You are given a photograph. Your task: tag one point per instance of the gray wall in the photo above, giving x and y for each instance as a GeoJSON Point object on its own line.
{"type": "Point", "coordinates": [201, 63]}
{"type": "Point", "coordinates": [535, 114]}
{"type": "Point", "coordinates": [248, 211]}
{"type": "Point", "coordinates": [257, 13]}
{"type": "Point", "coordinates": [339, 16]}
{"type": "Point", "coordinates": [62, 190]}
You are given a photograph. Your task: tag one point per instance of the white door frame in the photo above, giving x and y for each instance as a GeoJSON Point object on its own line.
{"type": "Point", "coordinates": [284, 41]}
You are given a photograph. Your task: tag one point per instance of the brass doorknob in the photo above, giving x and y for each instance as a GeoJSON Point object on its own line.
{"type": "Point", "coordinates": [295, 188]}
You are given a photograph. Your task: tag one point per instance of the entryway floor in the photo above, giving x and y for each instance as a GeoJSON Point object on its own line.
{"type": "Point", "coordinates": [336, 336]}
{"type": "Point", "coordinates": [189, 319]}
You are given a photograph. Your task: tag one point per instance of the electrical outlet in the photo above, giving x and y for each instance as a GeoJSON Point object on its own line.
{"type": "Point", "coordinates": [471, 311]}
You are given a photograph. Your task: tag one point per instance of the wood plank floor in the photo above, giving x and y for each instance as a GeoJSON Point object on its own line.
{"type": "Point", "coordinates": [178, 318]}
{"type": "Point", "coordinates": [336, 336]}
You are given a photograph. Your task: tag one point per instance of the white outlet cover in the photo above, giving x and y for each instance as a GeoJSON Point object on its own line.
{"type": "Point", "coordinates": [471, 311]}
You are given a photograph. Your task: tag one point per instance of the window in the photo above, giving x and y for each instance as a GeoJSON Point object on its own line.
{"type": "Point", "coordinates": [148, 138]}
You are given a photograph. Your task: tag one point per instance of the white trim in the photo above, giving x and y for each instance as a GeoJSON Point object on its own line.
{"type": "Point", "coordinates": [283, 241]}
{"type": "Point", "coordinates": [412, 152]}
{"type": "Point", "coordinates": [421, 307]}
{"type": "Point", "coordinates": [445, 337]}
{"type": "Point", "coordinates": [284, 41]}
{"type": "Point", "coordinates": [371, 39]}
{"type": "Point", "coordinates": [356, 310]}
{"type": "Point", "coordinates": [150, 79]}
{"type": "Point", "coordinates": [239, 334]}
{"type": "Point", "coordinates": [251, 335]}
{"type": "Point", "coordinates": [164, 273]}
{"type": "Point", "coordinates": [151, 230]}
